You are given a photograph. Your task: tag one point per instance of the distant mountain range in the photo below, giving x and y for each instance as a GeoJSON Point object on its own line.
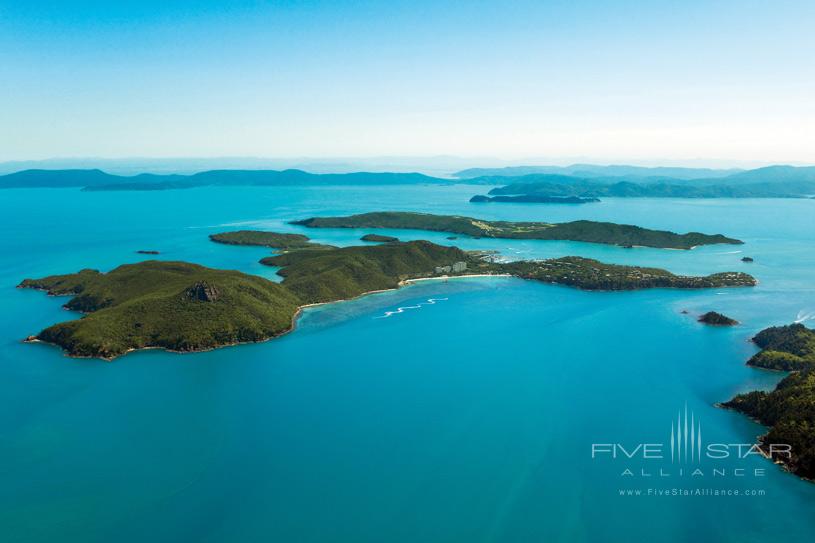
{"type": "Point", "coordinates": [769, 182]}
{"type": "Point", "coordinates": [99, 180]}
{"type": "Point", "coordinates": [597, 181]}
{"type": "Point", "coordinates": [595, 171]}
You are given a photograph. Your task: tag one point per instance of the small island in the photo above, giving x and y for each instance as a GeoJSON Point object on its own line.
{"type": "Point", "coordinates": [274, 240]}
{"type": "Point", "coordinates": [143, 252]}
{"type": "Point", "coordinates": [747, 259]}
{"type": "Point", "coordinates": [533, 199]}
{"type": "Point", "coordinates": [379, 238]}
{"type": "Point", "coordinates": [185, 307]}
{"type": "Point", "coordinates": [789, 410]}
{"type": "Point", "coordinates": [717, 319]}
{"type": "Point", "coordinates": [588, 231]}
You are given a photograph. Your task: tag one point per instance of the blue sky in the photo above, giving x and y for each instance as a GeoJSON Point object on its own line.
{"type": "Point", "coordinates": [611, 80]}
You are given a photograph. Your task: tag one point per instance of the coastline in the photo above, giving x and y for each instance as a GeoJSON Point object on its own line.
{"type": "Point", "coordinates": [297, 314]}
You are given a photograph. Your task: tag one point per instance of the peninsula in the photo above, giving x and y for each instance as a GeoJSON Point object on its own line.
{"type": "Point", "coordinates": [186, 307]}
{"type": "Point", "coordinates": [789, 410]}
{"type": "Point", "coordinates": [588, 231]}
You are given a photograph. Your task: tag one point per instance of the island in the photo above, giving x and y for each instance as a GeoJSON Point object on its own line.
{"type": "Point", "coordinates": [378, 238]}
{"type": "Point", "coordinates": [143, 252]}
{"type": "Point", "coordinates": [170, 305]}
{"type": "Point", "coordinates": [274, 240]}
{"type": "Point", "coordinates": [533, 199]}
{"type": "Point", "coordinates": [186, 307]}
{"type": "Point", "coordinates": [789, 410]}
{"type": "Point", "coordinates": [590, 274]}
{"type": "Point", "coordinates": [717, 319]}
{"type": "Point", "coordinates": [768, 182]}
{"type": "Point", "coordinates": [746, 259]}
{"type": "Point", "coordinates": [588, 231]}
{"type": "Point", "coordinates": [580, 180]}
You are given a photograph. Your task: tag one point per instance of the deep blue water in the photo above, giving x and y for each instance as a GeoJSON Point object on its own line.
{"type": "Point", "coordinates": [470, 419]}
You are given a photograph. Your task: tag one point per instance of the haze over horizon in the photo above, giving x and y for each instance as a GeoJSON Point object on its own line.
{"type": "Point", "coordinates": [721, 85]}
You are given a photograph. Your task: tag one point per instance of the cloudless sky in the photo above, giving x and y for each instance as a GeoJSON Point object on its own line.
{"type": "Point", "coordinates": [611, 79]}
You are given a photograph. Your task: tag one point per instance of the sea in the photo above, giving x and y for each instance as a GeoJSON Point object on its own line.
{"type": "Point", "coordinates": [475, 409]}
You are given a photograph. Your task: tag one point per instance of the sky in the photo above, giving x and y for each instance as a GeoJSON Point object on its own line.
{"type": "Point", "coordinates": [605, 80]}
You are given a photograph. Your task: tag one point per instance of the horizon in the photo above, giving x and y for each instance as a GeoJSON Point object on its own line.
{"type": "Point", "coordinates": [439, 165]}
{"type": "Point", "coordinates": [623, 83]}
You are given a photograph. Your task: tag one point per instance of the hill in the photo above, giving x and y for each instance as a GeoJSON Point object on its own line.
{"type": "Point", "coordinates": [532, 199]}
{"type": "Point", "coordinates": [583, 188]}
{"type": "Point", "coordinates": [785, 348]}
{"type": "Point", "coordinates": [593, 171]}
{"type": "Point", "coordinates": [186, 307]}
{"type": "Point", "coordinates": [581, 180]}
{"type": "Point", "coordinates": [588, 231]}
{"type": "Point", "coordinates": [789, 410]}
{"type": "Point", "coordinates": [170, 305]}
{"type": "Point", "coordinates": [97, 180]}
{"type": "Point", "coordinates": [260, 238]}
{"type": "Point", "coordinates": [348, 272]}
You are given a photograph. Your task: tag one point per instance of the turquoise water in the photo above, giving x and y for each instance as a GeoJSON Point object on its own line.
{"type": "Point", "coordinates": [469, 419]}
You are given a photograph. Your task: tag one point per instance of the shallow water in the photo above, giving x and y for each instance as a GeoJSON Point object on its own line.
{"type": "Point", "coordinates": [468, 419]}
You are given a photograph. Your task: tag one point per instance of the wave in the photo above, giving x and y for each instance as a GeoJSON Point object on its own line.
{"type": "Point", "coordinates": [430, 301]}
{"type": "Point", "coordinates": [804, 316]}
{"type": "Point", "coordinates": [729, 253]}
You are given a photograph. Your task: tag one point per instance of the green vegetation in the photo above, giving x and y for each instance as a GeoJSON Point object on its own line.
{"type": "Point", "coordinates": [789, 410]}
{"type": "Point", "coordinates": [588, 181]}
{"type": "Point", "coordinates": [589, 274]}
{"type": "Point", "coordinates": [588, 231]}
{"type": "Point", "coordinates": [187, 307]}
{"type": "Point", "coordinates": [378, 238]}
{"type": "Point", "coordinates": [338, 274]}
{"type": "Point", "coordinates": [545, 186]}
{"type": "Point", "coordinates": [533, 199]}
{"type": "Point", "coordinates": [579, 180]}
{"type": "Point", "coordinates": [594, 171]}
{"type": "Point", "coordinates": [97, 180]}
{"type": "Point", "coordinates": [266, 239]}
{"type": "Point", "coordinates": [717, 319]}
{"type": "Point", "coordinates": [785, 348]}
{"type": "Point", "coordinates": [171, 305]}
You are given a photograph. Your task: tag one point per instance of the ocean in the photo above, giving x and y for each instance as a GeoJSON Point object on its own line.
{"type": "Point", "coordinates": [470, 414]}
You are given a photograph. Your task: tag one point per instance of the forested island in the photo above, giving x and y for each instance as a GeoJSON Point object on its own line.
{"type": "Point", "coordinates": [592, 181]}
{"type": "Point", "coordinates": [186, 307]}
{"type": "Point", "coordinates": [378, 238]}
{"type": "Point", "coordinates": [789, 410]}
{"type": "Point", "coordinates": [589, 231]}
{"type": "Point", "coordinates": [261, 238]}
{"type": "Point", "coordinates": [171, 305]}
{"type": "Point", "coordinates": [533, 199]}
{"type": "Point", "coordinates": [546, 186]}
{"type": "Point", "coordinates": [717, 319]}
